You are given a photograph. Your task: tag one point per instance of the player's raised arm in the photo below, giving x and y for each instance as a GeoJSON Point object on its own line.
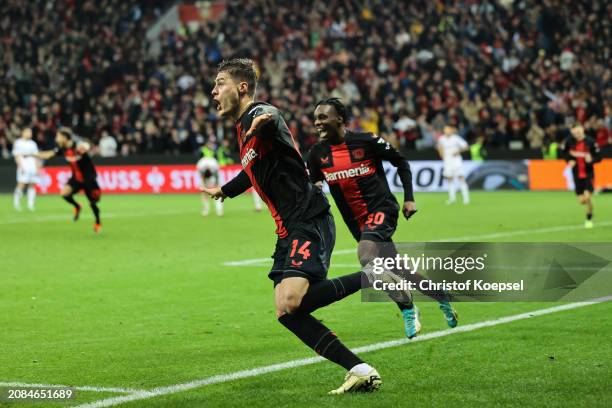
{"type": "Point", "coordinates": [383, 150]}
{"type": "Point", "coordinates": [314, 169]}
{"type": "Point", "coordinates": [260, 122]}
{"type": "Point", "coordinates": [267, 122]}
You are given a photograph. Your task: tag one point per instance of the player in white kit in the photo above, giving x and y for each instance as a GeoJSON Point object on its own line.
{"type": "Point", "coordinates": [208, 167]}
{"type": "Point", "coordinates": [450, 146]}
{"type": "Point", "coordinates": [24, 152]}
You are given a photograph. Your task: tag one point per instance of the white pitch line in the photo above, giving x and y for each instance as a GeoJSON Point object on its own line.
{"type": "Point", "coordinates": [258, 261]}
{"type": "Point", "coordinates": [68, 217]}
{"type": "Point", "coordinates": [522, 232]}
{"type": "Point", "coordinates": [76, 387]}
{"type": "Point", "coordinates": [255, 372]}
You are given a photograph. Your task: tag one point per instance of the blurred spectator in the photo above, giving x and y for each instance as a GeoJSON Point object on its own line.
{"type": "Point", "coordinates": [535, 134]}
{"type": "Point", "coordinates": [505, 70]}
{"type": "Point", "coordinates": [107, 145]}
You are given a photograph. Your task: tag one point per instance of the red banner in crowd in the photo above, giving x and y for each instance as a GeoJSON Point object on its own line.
{"type": "Point", "coordinates": [179, 178]}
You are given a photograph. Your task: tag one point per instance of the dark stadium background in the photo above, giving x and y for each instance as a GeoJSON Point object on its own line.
{"type": "Point", "coordinates": [138, 73]}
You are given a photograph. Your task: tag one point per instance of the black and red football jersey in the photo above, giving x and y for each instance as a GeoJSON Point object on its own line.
{"type": "Point", "coordinates": [582, 169]}
{"type": "Point", "coordinates": [354, 172]}
{"type": "Point", "coordinates": [273, 165]}
{"type": "Point", "coordinates": [80, 163]}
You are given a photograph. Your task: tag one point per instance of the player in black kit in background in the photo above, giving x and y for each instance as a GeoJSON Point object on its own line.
{"type": "Point", "coordinates": [581, 153]}
{"type": "Point", "coordinates": [351, 164]}
{"type": "Point", "coordinates": [84, 175]}
{"type": "Point", "coordinates": [273, 166]}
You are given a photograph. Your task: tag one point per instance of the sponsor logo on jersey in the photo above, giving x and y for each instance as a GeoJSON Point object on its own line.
{"type": "Point", "coordinates": [347, 173]}
{"type": "Point", "coordinates": [325, 160]}
{"type": "Point", "coordinates": [248, 157]}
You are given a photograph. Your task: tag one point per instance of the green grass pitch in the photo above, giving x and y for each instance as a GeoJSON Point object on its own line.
{"type": "Point", "coordinates": [149, 303]}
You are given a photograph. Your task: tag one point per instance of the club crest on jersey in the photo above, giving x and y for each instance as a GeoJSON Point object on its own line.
{"type": "Point", "coordinates": [358, 154]}
{"type": "Point", "coordinates": [248, 157]}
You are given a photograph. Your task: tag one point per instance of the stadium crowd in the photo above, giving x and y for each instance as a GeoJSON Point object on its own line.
{"type": "Point", "coordinates": [515, 73]}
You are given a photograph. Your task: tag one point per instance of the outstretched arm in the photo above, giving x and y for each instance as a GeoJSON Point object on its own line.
{"type": "Point", "coordinates": [46, 155]}
{"type": "Point", "coordinates": [314, 169]}
{"type": "Point", "coordinates": [231, 189]}
{"type": "Point", "coordinates": [385, 151]}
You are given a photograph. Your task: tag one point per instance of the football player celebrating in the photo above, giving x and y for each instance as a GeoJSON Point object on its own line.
{"type": "Point", "coordinates": [83, 176]}
{"type": "Point", "coordinates": [581, 152]}
{"type": "Point", "coordinates": [273, 166]}
{"type": "Point", "coordinates": [351, 164]}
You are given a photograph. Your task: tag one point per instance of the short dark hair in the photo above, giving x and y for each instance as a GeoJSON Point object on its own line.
{"type": "Point", "coordinates": [242, 69]}
{"type": "Point", "coordinates": [338, 106]}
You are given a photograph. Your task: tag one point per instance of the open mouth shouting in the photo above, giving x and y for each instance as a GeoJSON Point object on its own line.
{"type": "Point", "coordinates": [217, 104]}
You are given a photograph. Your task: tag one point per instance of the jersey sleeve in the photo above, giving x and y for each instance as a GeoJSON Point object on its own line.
{"type": "Point", "coordinates": [274, 127]}
{"type": "Point", "coordinates": [595, 152]}
{"type": "Point", "coordinates": [237, 185]}
{"type": "Point", "coordinates": [381, 149]}
{"type": "Point", "coordinates": [566, 146]}
{"type": "Point", "coordinates": [314, 168]}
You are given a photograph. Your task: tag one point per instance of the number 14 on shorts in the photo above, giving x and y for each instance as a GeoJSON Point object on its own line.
{"type": "Point", "coordinates": [303, 251]}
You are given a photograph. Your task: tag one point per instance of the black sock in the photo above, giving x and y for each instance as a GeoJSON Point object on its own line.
{"type": "Point", "coordinates": [70, 199]}
{"type": "Point", "coordinates": [589, 216]}
{"type": "Point", "coordinates": [319, 338]}
{"type": "Point", "coordinates": [96, 211]}
{"type": "Point", "coordinates": [323, 293]}
{"type": "Point", "coordinates": [404, 305]}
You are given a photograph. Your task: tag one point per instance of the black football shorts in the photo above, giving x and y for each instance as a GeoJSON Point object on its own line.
{"type": "Point", "coordinates": [378, 226]}
{"type": "Point", "coordinates": [90, 187]}
{"type": "Point", "coordinates": [306, 251]}
{"type": "Point", "coordinates": [583, 184]}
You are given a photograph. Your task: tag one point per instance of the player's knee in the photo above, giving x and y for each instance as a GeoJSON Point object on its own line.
{"type": "Point", "coordinates": [94, 197]}
{"type": "Point", "coordinates": [289, 302]}
{"type": "Point", "coordinates": [366, 252]}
